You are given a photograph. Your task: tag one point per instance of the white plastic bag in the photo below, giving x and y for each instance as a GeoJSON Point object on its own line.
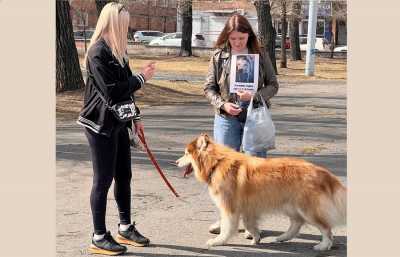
{"type": "Point", "coordinates": [259, 130]}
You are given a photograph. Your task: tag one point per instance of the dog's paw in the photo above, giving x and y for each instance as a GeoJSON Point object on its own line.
{"type": "Point", "coordinates": [210, 243]}
{"type": "Point", "coordinates": [255, 241]}
{"type": "Point", "coordinates": [247, 235]}
{"type": "Point", "coordinates": [281, 239]}
{"type": "Point", "coordinates": [323, 246]}
{"type": "Point", "coordinates": [213, 242]}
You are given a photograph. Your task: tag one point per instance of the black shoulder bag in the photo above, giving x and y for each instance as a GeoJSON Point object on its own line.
{"type": "Point", "coordinates": [123, 111]}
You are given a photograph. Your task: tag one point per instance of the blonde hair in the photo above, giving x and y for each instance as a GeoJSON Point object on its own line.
{"type": "Point", "coordinates": [113, 21]}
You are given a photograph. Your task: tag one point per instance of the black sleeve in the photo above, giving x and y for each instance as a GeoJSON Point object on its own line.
{"type": "Point", "coordinates": [105, 80]}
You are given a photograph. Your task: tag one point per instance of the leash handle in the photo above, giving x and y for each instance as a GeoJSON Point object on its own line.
{"type": "Point", "coordinates": [153, 160]}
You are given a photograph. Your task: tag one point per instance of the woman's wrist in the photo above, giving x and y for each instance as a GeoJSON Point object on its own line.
{"type": "Point", "coordinates": [144, 78]}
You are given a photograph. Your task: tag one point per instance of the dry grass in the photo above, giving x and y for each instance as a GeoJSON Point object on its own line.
{"type": "Point", "coordinates": [176, 65]}
{"type": "Point", "coordinates": [155, 92]}
{"type": "Point", "coordinates": [325, 68]}
{"type": "Point", "coordinates": [68, 104]}
{"type": "Point", "coordinates": [312, 149]}
{"type": "Point", "coordinates": [171, 64]}
{"type": "Point", "coordinates": [160, 92]}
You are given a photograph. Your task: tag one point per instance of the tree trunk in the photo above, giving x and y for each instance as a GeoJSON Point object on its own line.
{"type": "Point", "coordinates": [68, 71]}
{"type": "Point", "coordinates": [294, 32]}
{"type": "Point", "coordinates": [186, 43]}
{"type": "Point", "coordinates": [148, 15]}
{"type": "Point", "coordinates": [283, 38]}
{"type": "Point", "coordinates": [84, 33]}
{"type": "Point", "coordinates": [266, 32]}
{"type": "Point", "coordinates": [333, 36]}
{"type": "Point", "coordinates": [100, 4]}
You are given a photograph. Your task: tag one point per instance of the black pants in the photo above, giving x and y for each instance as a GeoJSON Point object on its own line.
{"type": "Point", "coordinates": [111, 158]}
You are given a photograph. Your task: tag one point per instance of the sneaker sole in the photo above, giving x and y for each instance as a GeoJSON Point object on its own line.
{"type": "Point", "coordinates": [122, 240]}
{"type": "Point", "coordinates": [95, 250]}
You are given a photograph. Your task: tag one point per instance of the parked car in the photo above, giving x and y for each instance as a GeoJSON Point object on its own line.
{"type": "Point", "coordinates": [80, 34]}
{"type": "Point", "coordinates": [174, 39]}
{"type": "Point", "coordinates": [320, 43]}
{"type": "Point", "coordinates": [278, 41]}
{"type": "Point", "coordinates": [340, 49]}
{"type": "Point", "coordinates": [145, 36]}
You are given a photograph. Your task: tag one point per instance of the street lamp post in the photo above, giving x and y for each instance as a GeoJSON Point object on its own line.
{"type": "Point", "coordinates": [311, 33]}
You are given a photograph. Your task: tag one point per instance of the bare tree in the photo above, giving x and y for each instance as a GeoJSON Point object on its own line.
{"type": "Point", "coordinates": [82, 12]}
{"type": "Point", "coordinates": [339, 13]}
{"type": "Point", "coordinates": [267, 34]}
{"type": "Point", "coordinates": [283, 34]}
{"type": "Point", "coordinates": [68, 71]}
{"type": "Point", "coordinates": [295, 16]}
{"type": "Point", "coordinates": [185, 7]}
{"type": "Point", "coordinates": [100, 4]}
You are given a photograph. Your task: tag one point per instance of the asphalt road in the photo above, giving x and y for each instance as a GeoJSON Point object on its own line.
{"type": "Point", "coordinates": [310, 119]}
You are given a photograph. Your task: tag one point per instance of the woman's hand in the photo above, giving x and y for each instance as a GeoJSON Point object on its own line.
{"type": "Point", "coordinates": [244, 95]}
{"type": "Point", "coordinates": [139, 128]}
{"type": "Point", "coordinates": [148, 70]}
{"type": "Point", "coordinates": [232, 109]}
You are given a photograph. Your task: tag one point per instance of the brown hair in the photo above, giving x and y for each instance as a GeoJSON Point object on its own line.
{"type": "Point", "coordinates": [238, 23]}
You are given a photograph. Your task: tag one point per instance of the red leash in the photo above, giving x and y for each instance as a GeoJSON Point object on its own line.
{"type": "Point", "coordinates": [153, 160]}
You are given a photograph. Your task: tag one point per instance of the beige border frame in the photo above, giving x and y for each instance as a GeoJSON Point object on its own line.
{"type": "Point", "coordinates": [27, 194]}
{"type": "Point", "coordinates": [27, 79]}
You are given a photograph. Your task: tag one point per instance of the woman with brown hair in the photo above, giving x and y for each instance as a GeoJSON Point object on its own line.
{"type": "Point", "coordinates": [236, 38]}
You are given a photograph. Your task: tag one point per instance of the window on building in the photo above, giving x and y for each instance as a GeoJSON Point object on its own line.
{"type": "Point", "coordinates": [171, 3]}
{"type": "Point", "coordinates": [320, 27]}
{"type": "Point", "coordinates": [81, 19]}
{"type": "Point", "coordinates": [278, 27]}
{"type": "Point", "coordinates": [319, 31]}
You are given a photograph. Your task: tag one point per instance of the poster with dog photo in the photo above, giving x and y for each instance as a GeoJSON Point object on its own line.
{"type": "Point", "coordinates": [244, 72]}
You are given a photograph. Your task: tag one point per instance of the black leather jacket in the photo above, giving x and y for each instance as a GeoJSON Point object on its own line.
{"type": "Point", "coordinates": [116, 84]}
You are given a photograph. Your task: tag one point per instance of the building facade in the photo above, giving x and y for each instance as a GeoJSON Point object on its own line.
{"type": "Point", "coordinates": [209, 17]}
{"type": "Point", "coordinates": [157, 15]}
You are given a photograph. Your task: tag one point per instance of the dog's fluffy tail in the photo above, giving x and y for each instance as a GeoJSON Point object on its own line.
{"type": "Point", "coordinates": [335, 207]}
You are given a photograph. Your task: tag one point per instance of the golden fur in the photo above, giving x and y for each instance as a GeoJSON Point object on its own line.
{"type": "Point", "coordinates": [248, 187]}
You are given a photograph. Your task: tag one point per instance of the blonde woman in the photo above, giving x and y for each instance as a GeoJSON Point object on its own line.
{"type": "Point", "coordinates": [110, 78]}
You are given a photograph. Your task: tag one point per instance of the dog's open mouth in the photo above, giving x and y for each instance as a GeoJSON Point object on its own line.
{"type": "Point", "coordinates": [188, 170]}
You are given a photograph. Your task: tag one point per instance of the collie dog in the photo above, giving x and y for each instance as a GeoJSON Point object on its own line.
{"type": "Point", "coordinates": [249, 187]}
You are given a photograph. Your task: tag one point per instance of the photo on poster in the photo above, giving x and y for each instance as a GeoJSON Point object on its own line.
{"type": "Point", "coordinates": [244, 72]}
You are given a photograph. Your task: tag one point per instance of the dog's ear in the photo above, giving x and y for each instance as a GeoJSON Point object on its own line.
{"type": "Point", "coordinates": [202, 142]}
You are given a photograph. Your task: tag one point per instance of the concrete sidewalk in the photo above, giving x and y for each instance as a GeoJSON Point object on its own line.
{"type": "Point", "coordinates": [311, 123]}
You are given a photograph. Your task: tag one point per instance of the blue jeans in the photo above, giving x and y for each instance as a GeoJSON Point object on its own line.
{"type": "Point", "coordinates": [229, 131]}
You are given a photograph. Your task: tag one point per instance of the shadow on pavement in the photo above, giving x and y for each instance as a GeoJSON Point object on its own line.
{"type": "Point", "coordinates": [80, 152]}
{"type": "Point", "coordinates": [285, 250]}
